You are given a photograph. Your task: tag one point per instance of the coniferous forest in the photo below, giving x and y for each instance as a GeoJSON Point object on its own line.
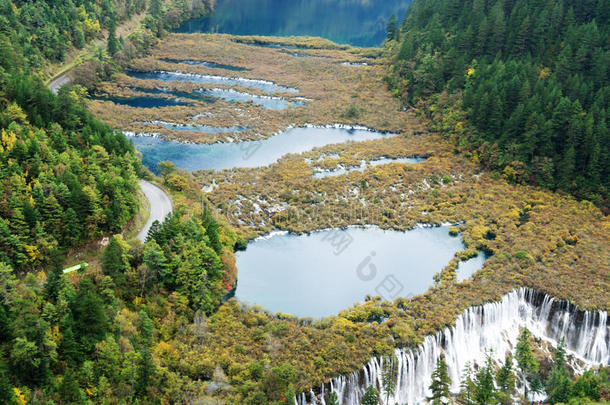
{"type": "Point", "coordinates": [523, 85]}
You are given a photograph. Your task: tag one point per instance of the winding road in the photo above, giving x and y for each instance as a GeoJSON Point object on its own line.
{"type": "Point", "coordinates": [160, 206]}
{"type": "Point", "coordinates": [56, 83]}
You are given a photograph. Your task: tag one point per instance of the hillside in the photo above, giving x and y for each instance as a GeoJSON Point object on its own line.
{"type": "Point", "coordinates": [522, 85]}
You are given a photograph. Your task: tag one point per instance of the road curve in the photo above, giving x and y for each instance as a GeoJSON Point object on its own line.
{"type": "Point", "coordinates": [58, 82]}
{"type": "Point", "coordinates": [160, 205]}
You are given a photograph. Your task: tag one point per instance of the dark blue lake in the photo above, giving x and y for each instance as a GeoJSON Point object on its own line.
{"type": "Point", "coordinates": [355, 22]}
{"type": "Point", "coordinates": [144, 102]}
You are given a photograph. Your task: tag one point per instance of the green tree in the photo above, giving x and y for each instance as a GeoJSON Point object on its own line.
{"type": "Point", "coordinates": [526, 362]}
{"type": "Point", "coordinates": [90, 316]}
{"type": "Point", "coordinates": [389, 376]}
{"type": "Point", "coordinates": [332, 399]}
{"type": "Point", "coordinates": [282, 377]}
{"type": "Point", "coordinates": [559, 385]}
{"type": "Point", "coordinates": [7, 395]}
{"type": "Point", "coordinates": [145, 371]}
{"type": "Point", "coordinates": [69, 391]}
{"type": "Point", "coordinates": [505, 380]}
{"type": "Point", "coordinates": [211, 229]}
{"type": "Point", "coordinates": [370, 397]}
{"type": "Point", "coordinates": [392, 28]}
{"type": "Point", "coordinates": [485, 391]}
{"type": "Point", "coordinates": [108, 358]}
{"type": "Point", "coordinates": [115, 262]}
{"type": "Point", "coordinates": [155, 260]}
{"type": "Point", "coordinates": [467, 386]}
{"type": "Point", "coordinates": [441, 383]}
{"type": "Point", "coordinates": [113, 42]}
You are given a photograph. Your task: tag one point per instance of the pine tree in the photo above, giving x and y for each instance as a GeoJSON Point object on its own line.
{"type": "Point", "coordinates": [467, 386]}
{"type": "Point", "coordinates": [145, 371]}
{"type": "Point", "coordinates": [71, 228]}
{"type": "Point", "coordinates": [485, 391]}
{"type": "Point", "coordinates": [7, 395]}
{"type": "Point", "coordinates": [525, 359]}
{"type": "Point", "coordinates": [505, 380]}
{"type": "Point", "coordinates": [290, 397]}
{"type": "Point", "coordinates": [370, 397]}
{"type": "Point", "coordinates": [211, 230]}
{"type": "Point", "coordinates": [115, 262]}
{"type": "Point", "coordinates": [332, 399]}
{"type": "Point", "coordinates": [113, 42]}
{"type": "Point", "coordinates": [108, 358]}
{"type": "Point", "coordinates": [440, 383]}
{"type": "Point", "coordinates": [392, 28]}
{"type": "Point", "coordinates": [90, 317]}
{"type": "Point", "coordinates": [558, 384]}
{"type": "Point", "coordinates": [389, 376]}
{"type": "Point", "coordinates": [69, 390]}
{"type": "Point", "coordinates": [154, 258]}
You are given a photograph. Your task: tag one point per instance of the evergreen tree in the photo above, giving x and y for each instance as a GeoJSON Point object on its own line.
{"type": "Point", "coordinates": [115, 262]}
{"type": "Point", "coordinates": [370, 397]}
{"type": "Point", "coordinates": [525, 359]}
{"type": "Point", "coordinates": [467, 386]}
{"type": "Point", "coordinates": [109, 358]}
{"type": "Point", "coordinates": [505, 380]}
{"type": "Point", "coordinates": [485, 391]}
{"type": "Point", "coordinates": [389, 377]}
{"type": "Point", "coordinates": [90, 316]}
{"type": "Point", "coordinates": [440, 383]}
{"type": "Point", "coordinates": [211, 229]}
{"type": "Point", "coordinates": [155, 259]}
{"type": "Point", "coordinates": [145, 371]}
{"type": "Point", "coordinates": [558, 385]}
{"type": "Point", "coordinates": [113, 42]}
{"type": "Point", "coordinates": [290, 397]}
{"type": "Point", "coordinates": [69, 390]}
{"type": "Point", "coordinates": [332, 399]}
{"type": "Point", "coordinates": [392, 28]}
{"type": "Point", "coordinates": [7, 395]}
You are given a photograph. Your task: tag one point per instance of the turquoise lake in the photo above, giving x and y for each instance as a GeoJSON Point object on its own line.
{"type": "Point", "coordinates": [322, 273]}
{"type": "Point", "coordinates": [219, 156]}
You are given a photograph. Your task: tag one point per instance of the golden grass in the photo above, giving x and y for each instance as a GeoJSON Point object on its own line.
{"type": "Point", "coordinates": [338, 93]}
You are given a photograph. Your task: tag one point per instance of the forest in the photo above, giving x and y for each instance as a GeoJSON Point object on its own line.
{"type": "Point", "coordinates": [66, 181]}
{"type": "Point", "coordinates": [42, 31]}
{"type": "Point", "coordinates": [521, 85]}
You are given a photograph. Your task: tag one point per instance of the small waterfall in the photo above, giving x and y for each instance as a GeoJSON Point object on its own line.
{"type": "Point", "coordinates": [494, 326]}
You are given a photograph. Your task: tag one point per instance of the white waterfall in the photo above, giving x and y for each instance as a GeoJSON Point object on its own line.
{"type": "Point", "coordinates": [494, 326]}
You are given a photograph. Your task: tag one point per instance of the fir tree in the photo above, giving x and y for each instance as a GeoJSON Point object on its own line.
{"type": "Point", "coordinates": [467, 385]}
{"type": "Point", "coordinates": [558, 385]}
{"type": "Point", "coordinates": [115, 262]}
{"type": "Point", "coordinates": [392, 28]}
{"type": "Point", "coordinates": [440, 383]}
{"type": "Point", "coordinates": [525, 359]}
{"type": "Point", "coordinates": [113, 42]}
{"type": "Point", "coordinates": [332, 399]}
{"type": "Point", "coordinates": [485, 391]}
{"type": "Point", "coordinates": [389, 376]}
{"type": "Point", "coordinates": [370, 397]}
{"type": "Point", "coordinates": [505, 380]}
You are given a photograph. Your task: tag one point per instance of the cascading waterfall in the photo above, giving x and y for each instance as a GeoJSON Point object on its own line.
{"type": "Point", "coordinates": [494, 326]}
